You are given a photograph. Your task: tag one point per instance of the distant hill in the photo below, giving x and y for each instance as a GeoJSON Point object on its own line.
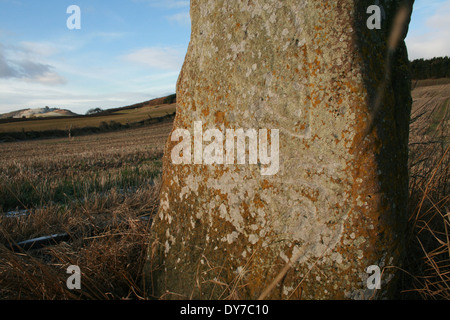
{"type": "Point", "coordinates": [47, 122]}
{"type": "Point", "coordinates": [56, 112]}
{"type": "Point", "coordinates": [38, 113]}
{"type": "Point", "coordinates": [171, 99]}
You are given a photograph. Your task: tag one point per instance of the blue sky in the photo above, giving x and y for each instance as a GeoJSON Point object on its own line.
{"type": "Point", "coordinates": [127, 51]}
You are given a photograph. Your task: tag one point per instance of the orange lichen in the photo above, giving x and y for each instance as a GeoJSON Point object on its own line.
{"type": "Point", "coordinates": [231, 218]}
{"type": "Point", "coordinates": [205, 112]}
{"type": "Point", "coordinates": [219, 117]}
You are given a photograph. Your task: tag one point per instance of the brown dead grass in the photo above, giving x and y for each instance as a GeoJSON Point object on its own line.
{"type": "Point", "coordinates": [109, 249]}
{"type": "Point", "coordinates": [428, 262]}
{"type": "Point", "coordinates": [109, 240]}
{"type": "Point", "coordinates": [108, 224]}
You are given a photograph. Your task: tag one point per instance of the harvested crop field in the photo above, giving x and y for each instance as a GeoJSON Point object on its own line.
{"type": "Point", "coordinates": [101, 191]}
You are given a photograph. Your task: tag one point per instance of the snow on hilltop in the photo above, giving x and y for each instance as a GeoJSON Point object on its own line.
{"type": "Point", "coordinates": [38, 113]}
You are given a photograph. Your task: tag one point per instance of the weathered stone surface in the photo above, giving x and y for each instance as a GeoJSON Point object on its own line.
{"type": "Point", "coordinates": [337, 204]}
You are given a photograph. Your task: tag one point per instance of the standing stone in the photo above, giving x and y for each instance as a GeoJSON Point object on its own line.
{"type": "Point", "coordinates": [336, 202]}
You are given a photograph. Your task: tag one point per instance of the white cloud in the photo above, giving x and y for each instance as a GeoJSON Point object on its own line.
{"type": "Point", "coordinates": [76, 100]}
{"type": "Point", "coordinates": [174, 3]}
{"type": "Point", "coordinates": [7, 33]}
{"type": "Point", "coordinates": [170, 4]}
{"type": "Point", "coordinates": [109, 35]}
{"type": "Point", "coordinates": [6, 70]}
{"type": "Point", "coordinates": [432, 39]}
{"type": "Point", "coordinates": [23, 62]}
{"type": "Point", "coordinates": [441, 18]}
{"type": "Point", "coordinates": [42, 49]}
{"type": "Point", "coordinates": [182, 18]}
{"type": "Point", "coordinates": [157, 58]}
{"type": "Point", "coordinates": [47, 78]}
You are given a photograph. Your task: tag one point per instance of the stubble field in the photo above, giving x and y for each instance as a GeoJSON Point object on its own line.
{"type": "Point", "coordinates": [101, 191]}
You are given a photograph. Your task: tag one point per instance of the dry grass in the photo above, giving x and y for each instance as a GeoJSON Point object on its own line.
{"type": "Point", "coordinates": [102, 191]}
{"type": "Point", "coordinates": [97, 188]}
{"type": "Point", "coordinates": [429, 254]}
{"type": "Point", "coordinates": [109, 249]}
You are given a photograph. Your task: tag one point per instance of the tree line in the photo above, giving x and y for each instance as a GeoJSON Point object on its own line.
{"type": "Point", "coordinates": [431, 68]}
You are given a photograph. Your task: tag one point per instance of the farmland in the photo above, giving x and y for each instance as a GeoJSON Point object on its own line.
{"type": "Point", "coordinates": [427, 266]}
{"type": "Point", "coordinates": [99, 189]}
{"type": "Point", "coordinates": [124, 116]}
{"type": "Point", "coordinates": [102, 191]}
